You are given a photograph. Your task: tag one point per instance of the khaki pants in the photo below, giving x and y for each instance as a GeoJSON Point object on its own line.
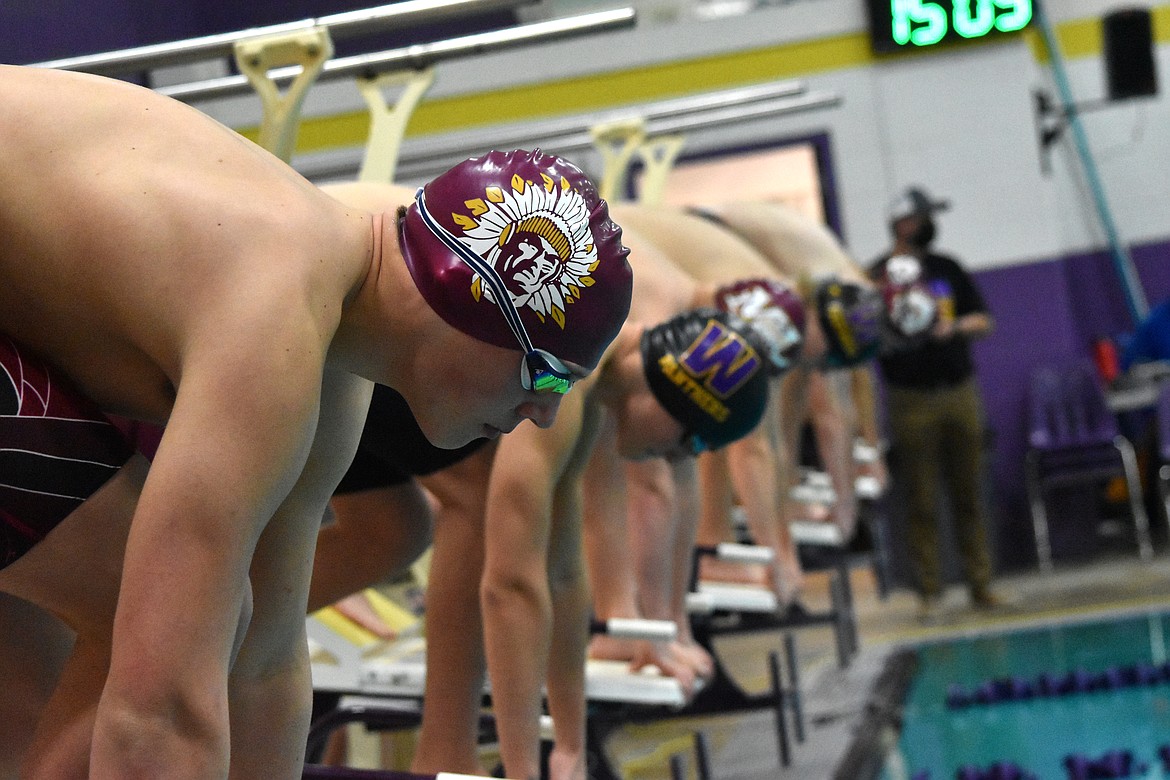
{"type": "Point", "coordinates": [939, 440]}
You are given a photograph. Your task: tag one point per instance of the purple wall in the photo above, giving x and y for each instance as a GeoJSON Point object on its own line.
{"type": "Point", "coordinates": [1045, 312]}
{"type": "Point", "coordinates": [34, 32]}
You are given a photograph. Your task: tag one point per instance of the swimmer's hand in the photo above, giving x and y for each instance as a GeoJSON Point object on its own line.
{"type": "Point", "coordinates": [358, 609]}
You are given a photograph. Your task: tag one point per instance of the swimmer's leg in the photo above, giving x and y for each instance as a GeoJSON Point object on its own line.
{"type": "Point", "coordinates": [75, 573]}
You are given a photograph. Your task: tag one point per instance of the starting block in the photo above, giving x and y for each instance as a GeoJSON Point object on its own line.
{"type": "Point", "coordinates": [397, 669]}
{"type": "Point", "coordinates": [710, 597]}
{"type": "Point", "coordinates": [382, 685]}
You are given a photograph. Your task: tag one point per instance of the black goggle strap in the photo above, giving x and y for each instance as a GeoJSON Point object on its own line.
{"type": "Point", "coordinates": [693, 443]}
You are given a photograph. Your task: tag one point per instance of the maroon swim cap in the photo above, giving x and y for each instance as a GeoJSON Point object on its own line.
{"type": "Point", "coordinates": [537, 220]}
{"type": "Point", "coordinates": [775, 311]}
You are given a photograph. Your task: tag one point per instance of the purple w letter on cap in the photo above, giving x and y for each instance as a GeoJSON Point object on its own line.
{"type": "Point", "coordinates": [722, 358]}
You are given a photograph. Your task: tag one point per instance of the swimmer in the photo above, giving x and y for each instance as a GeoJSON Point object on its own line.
{"type": "Point", "coordinates": [844, 331]}
{"type": "Point", "coordinates": [159, 266]}
{"type": "Point", "coordinates": [729, 273]}
{"type": "Point", "coordinates": [534, 470]}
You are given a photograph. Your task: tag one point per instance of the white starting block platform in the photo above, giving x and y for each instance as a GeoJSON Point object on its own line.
{"type": "Point", "coordinates": [867, 488]}
{"type": "Point", "coordinates": [398, 670]}
{"type": "Point", "coordinates": [412, 708]}
{"type": "Point", "coordinates": [819, 534]}
{"type": "Point", "coordinates": [731, 597]}
{"type": "Point", "coordinates": [812, 493]}
{"type": "Point", "coordinates": [815, 488]}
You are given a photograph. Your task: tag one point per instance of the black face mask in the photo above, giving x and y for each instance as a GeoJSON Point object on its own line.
{"type": "Point", "coordinates": [923, 235]}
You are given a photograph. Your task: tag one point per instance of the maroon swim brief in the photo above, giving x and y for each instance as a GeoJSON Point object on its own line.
{"type": "Point", "coordinates": [56, 449]}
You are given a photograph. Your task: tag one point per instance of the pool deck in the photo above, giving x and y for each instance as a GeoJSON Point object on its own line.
{"type": "Point", "coordinates": [744, 746]}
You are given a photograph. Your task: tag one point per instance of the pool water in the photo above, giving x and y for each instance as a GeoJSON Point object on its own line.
{"type": "Point", "coordinates": [1038, 733]}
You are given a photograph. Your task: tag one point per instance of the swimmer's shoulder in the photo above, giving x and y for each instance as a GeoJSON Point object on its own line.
{"type": "Point", "coordinates": [369, 196]}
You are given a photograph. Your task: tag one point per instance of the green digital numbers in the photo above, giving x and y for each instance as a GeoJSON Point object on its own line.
{"type": "Point", "coordinates": [1019, 14]}
{"type": "Point", "coordinates": [927, 22]}
{"type": "Point", "coordinates": [917, 22]}
{"type": "Point", "coordinates": [973, 20]}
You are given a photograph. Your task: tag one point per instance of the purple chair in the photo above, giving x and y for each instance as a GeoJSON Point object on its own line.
{"type": "Point", "coordinates": [1162, 421]}
{"type": "Point", "coordinates": [1072, 437]}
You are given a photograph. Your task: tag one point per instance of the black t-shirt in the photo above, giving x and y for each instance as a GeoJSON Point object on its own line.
{"type": "Point", "coordinates": [932, 364]}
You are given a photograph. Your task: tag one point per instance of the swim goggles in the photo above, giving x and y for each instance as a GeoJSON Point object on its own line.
{"type": "Point", "coordinates": [540, 371]}
{"type": "Point", "coordinates": [693, 444]}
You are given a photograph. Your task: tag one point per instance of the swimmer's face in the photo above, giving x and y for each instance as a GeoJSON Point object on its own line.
{"type": "Point", "coordinates": [480, 396]}
{"type": "Point", "coordinates": [645, 429]}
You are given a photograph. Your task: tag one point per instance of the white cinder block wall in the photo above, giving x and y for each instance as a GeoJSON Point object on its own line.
{"type": "Point", "coordinates": [960, 122]}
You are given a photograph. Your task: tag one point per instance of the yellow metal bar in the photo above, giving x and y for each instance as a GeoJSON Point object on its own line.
{"type": "Point", "coordinates": [309, 49]}
{"type": "Point", "coordinates": [617, 142]}
{"type": "Point", "coordinates": [388, 122]}
{"type": "Point", "coordinates": [658, 154]}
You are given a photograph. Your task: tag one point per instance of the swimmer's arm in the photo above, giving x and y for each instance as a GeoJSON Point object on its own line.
{"type": "Point", "coordinates": [606, 531]}
{"type": "Point", "coordinates": [652, 506]}
{"type": "Point", "coordinates": [270, 682]}
{"type": "Point", "coordinates": [754, 470]}
{"type": "Point", "coordinates": [864, 389]}
{"type": "Point", "coordinates": [974, 325]}
{"type": "Point", "coordinates": [868, 426]}
{"type": "Point", "coordinates": [570, 632]}
{"type": "Point", "coordinates": [687, 504]}
{"type": "Point", "coordinates": [793, 411]}
{"type": "Point", "coordinates": [831, 419]}
{"type": "Point", "coordinates": [514, 592]}
{"type": "Point", "coordinates": [238, 436]}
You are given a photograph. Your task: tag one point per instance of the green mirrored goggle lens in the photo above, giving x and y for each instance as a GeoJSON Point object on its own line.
{"type": "Point", "coordinates": [539, 374]}
{"type": "Point", "coordinates": [550, 383]}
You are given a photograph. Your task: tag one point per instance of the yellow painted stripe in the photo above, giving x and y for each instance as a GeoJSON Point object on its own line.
{"type": "Point", "coordinates": [1085, 37]}
{"type": "Point", "coordinates": [1077, 38]}
{"type": "Point", "coordinates": [1161, 17]}
{"type": "Point", "coordinates": [344, 627]}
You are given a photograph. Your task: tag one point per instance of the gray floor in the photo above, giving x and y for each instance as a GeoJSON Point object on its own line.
{"type": "Point", "coordinates": [745, 747]}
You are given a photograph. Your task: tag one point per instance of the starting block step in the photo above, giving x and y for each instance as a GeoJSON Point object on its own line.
{"type": "Point", "coordinates": [867, 488]}
{"type": "Point", "coordinates": [401, 672]}
{"type": "Point", "coordinates": [744, 553]}
{"type": "Point", "coordinates": [732, 597]}
{"type": "Point", "coordinates": [613, 681]}
{"type": "Point", "coordinates": [808, 493]}
{"type": "Point", "coordinates": [639, 628]}
{"type": "Point", "coordinates": [823, 534]}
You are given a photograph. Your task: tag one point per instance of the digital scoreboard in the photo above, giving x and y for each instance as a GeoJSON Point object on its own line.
{"type": "Point", "coordinates": [908, 25]}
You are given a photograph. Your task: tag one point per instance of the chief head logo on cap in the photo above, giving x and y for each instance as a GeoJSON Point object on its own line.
{"type": "Point", "coordinates": [915, 202]}
{"type": "Point", "coordinates": [850, 315]}
{"type": "Point", "coordinates": [775, 311]}
{"type": "Point", "coordinates": [902, 270]}
{"type": "Point", "coordinates": [518, 244]}
{"type": "Point", "coordinates": [911, 309]}
{"type": "Point", "coordinates": [706, 368]}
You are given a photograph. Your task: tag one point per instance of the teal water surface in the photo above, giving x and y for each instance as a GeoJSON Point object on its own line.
{"type": "Point", "coordinates": [1038, 733]}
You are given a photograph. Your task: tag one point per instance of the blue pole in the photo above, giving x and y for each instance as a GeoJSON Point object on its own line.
{"type": "Point", "coordinates": [1135, 296]}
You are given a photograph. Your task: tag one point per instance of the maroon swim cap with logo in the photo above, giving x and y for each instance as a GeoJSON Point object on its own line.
{"type": "Point", "coordinates": [775, 311]}
{"type": "Point", "coordinates": [537, 220]}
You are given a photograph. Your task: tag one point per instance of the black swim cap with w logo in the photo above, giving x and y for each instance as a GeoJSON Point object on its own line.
{"type": "Point", "coordinates": [707, 369]}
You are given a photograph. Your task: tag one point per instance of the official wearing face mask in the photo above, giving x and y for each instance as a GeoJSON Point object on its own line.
{"type": "Point", "coordinates": [934, 411]}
